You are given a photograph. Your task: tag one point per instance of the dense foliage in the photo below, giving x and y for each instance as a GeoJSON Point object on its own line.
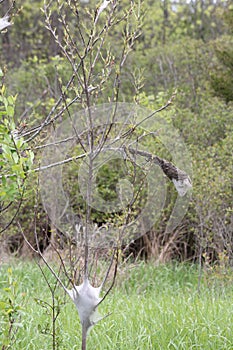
{"type": "Point", "coordinates": [182, 46]}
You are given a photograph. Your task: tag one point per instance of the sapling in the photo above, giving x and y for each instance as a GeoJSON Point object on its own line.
{"type": "Point", "coordinates": [113, 126]}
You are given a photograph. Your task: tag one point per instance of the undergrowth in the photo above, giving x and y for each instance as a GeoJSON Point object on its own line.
{"type": "Point", "coordinates": [150, 308]}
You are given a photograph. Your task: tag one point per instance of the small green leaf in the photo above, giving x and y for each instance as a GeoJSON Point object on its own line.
{"type": "Point", "coordinates": [10, 111]}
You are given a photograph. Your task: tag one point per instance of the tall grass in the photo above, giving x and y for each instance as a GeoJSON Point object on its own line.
{"type": "Point", "coordinates": [152, 308]}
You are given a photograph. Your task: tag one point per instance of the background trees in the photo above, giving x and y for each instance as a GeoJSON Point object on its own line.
{"type": "Point", "coordinates": [171, 45]}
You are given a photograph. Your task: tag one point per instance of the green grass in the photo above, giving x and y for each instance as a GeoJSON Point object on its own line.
{"type": "Point", "coordinates": [152, 308]}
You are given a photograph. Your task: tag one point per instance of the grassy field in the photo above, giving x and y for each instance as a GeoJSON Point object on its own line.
{"type": "Point", "coordinates": [152, 308]}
